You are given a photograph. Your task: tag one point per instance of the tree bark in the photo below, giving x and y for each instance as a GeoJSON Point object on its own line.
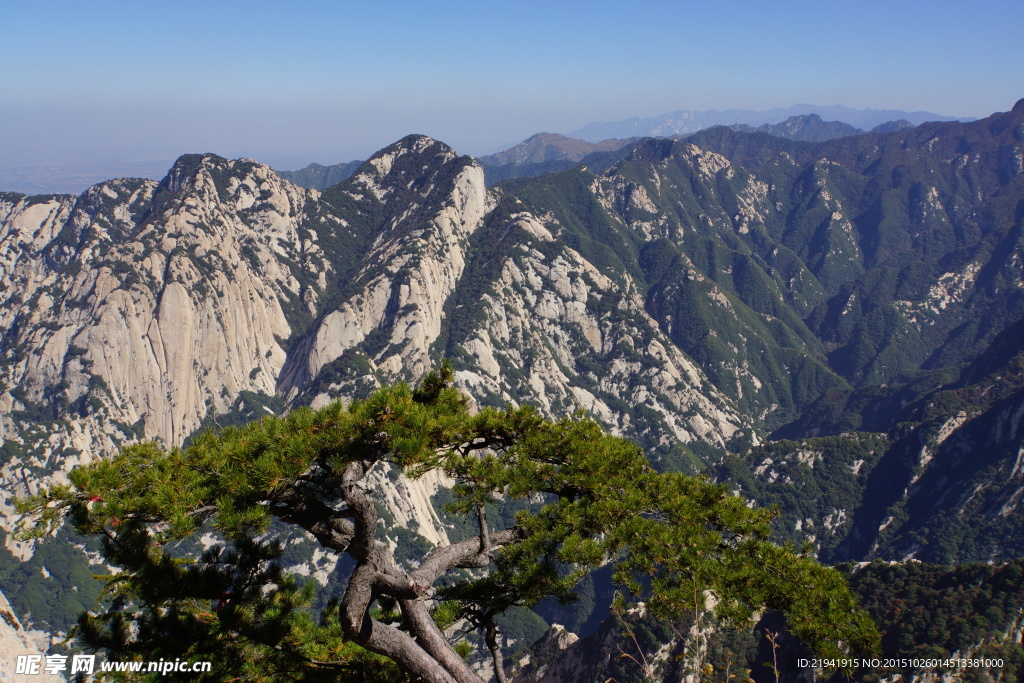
{"type": "Point", "coordinates": [485, 537]}
{"type": "Point", "coordinates": [431, 638]}
{"type": "Point", "coordinates": [331, 528]}
{"type": "Point", "coordinates": [429, 656]}
{"type": "Point", "coordinates": [462, 554]}
{"type": "Point", "coordinates": [492, 637]}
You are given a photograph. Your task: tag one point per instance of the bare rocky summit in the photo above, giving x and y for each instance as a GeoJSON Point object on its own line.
{"type": "Point", "coordinates": [705, 296]}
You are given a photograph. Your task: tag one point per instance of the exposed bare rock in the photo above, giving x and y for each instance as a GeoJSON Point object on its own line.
{"type": "Point", "coordinates": [553, 327]}
{"type": "Point", "coordinates": [695, 296]}
{"type": "Point", "coordinates": [410, 271]}
{"type": "Point", "coordinates": [17, 641]}
{"type": "Point", "coordinates": [137, 309]}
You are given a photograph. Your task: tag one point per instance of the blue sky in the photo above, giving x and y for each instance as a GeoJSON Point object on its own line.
{"type": "Point", "coordinates": [332, 81]}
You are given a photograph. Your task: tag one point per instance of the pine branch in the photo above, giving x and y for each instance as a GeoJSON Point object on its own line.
{"type": "Point", "coordinates": [464, 554]}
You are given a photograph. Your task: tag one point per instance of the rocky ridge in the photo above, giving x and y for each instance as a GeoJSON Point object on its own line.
{"type": "Point", "coordinates": [144, 310]}
{"type": "Point", "coordinates": [698, 295]}
{"type": "Point", "coordinates": [137, 309]}
{"type": "Point", "coordinates": [545, 147]}
{"type": "Point", "coordinates": [689, 121]}
{"type": "Point", "coordinates": [17, 641]}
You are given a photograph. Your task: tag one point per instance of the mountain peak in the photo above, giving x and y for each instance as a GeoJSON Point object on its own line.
{"type": "Point", "coordinates": [416, 142]}
{"type": "Point", "coordinates": [546, 137]}
{"type": "Point", "coordinates": [190, 162]}
{"type": "Point", "coordinates": [683, 122]}
{"type": "Point", "coordinates": [652, 149]}
{"type": "Point", "coordinates": [890, 126]}
{"type": "Point", "coordinates": [185, 168]}
{"type": "Point", "coordinates": [547, 147]}
{"type": "Point", "coordinates": [416, 163]}
{"type": "Point", "coordinates": [411, 144]}
{"type": "Point", "coordinates": [189, 169]}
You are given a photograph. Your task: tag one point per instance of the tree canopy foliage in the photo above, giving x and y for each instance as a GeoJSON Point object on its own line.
{"type": "Point", "coordinates": [675, 541]}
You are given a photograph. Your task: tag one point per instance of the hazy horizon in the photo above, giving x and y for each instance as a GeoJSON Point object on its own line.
{"type": "Point", "coordinates": [123, 85]}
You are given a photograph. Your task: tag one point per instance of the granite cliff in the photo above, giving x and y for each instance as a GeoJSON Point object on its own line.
{"type": "Point", "coordinates": [830, 326]}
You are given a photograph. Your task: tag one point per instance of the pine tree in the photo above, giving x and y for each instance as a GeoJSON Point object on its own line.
{"type": "Point", "coordinates": [594, 499]}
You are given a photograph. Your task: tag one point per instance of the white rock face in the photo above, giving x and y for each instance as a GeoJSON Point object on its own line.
{"type": "Point", "coordinates": [544, 314]}
{"type": "Point", "coordinates": [139, 309]}
{"type": "Point", "coordinates": [409, 500]}
{"type": "Point", "coordinates": [141, 326]}
{"type": "Point", "coordinates": [406, 278]}
{"type": "Point", "coordinates": [949, 290]}
{"type": "Point", "coordinates": [17, 641]}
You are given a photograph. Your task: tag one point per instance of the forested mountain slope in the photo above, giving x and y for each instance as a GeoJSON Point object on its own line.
{"type": "Point", "coordinates": [861, 297]}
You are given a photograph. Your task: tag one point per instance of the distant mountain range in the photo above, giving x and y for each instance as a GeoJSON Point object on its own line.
{"type": "Point", "coordinates": [72, 176]}
{"type": "Point", "coordinates": [544, 147]}
{"type": "Point", "coordinates": [319, 177]}
{"type": "Point", "coordinates": [811, 128]}
{"type": "Point", "coordinates": [834, 327]}
{"type": "Point", "coordinates": [545, 153]}
{"type": "Point", "coordinates": [684, 121]}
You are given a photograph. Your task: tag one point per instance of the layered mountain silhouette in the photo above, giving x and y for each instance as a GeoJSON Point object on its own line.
{"type": "Point", "coordinates": [832, 326]}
